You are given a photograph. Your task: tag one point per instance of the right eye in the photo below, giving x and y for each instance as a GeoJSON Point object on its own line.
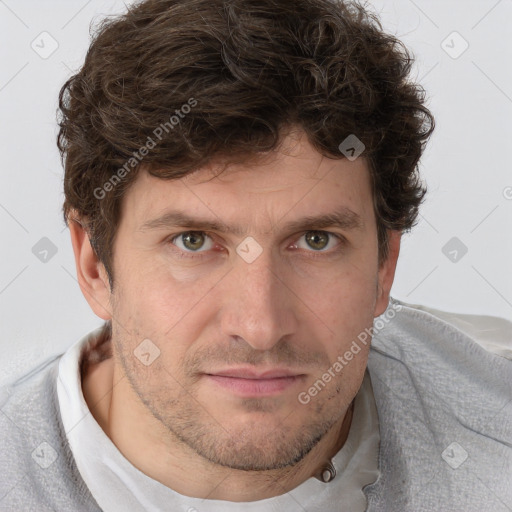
{"type": "Point", "coordinates": [192, 241]}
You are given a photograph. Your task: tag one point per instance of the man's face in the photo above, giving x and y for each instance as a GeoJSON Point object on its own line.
{"type": "Point", "coordinates": [211, 302]}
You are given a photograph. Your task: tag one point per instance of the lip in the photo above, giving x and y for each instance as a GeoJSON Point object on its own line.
{"type": "Point", "coordinates": [247, 383]}
{"type": "Point", "coordinates": [249, 373]}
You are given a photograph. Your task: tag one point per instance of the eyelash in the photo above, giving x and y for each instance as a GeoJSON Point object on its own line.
{"type": "Point", "coordinates": [314, 254]}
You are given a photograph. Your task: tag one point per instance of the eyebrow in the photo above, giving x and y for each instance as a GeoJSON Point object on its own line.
{"type": "Point", "coordinates": [343, 218]}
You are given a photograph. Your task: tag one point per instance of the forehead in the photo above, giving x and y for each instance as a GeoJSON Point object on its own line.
{"type": "Point", "coordinates": [294, 181]}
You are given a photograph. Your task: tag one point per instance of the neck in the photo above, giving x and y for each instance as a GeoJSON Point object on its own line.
{"type": "Point", "coordinates": [163, 457]}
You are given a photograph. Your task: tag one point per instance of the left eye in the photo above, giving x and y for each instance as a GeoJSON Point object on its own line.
{"type": "Point", "coordinates": [318, 240]}
{"type": "Point", "coordinates": [193, 241]}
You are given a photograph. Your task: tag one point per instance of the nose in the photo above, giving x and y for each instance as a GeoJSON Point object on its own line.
{"type": "Point", "coordinates": [258, 304]}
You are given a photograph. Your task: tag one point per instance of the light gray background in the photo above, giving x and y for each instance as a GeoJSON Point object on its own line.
{"type": "Point", "coordinates": [466, 166]}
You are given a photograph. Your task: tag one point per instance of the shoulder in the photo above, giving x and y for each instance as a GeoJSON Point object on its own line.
{"type": "Point", "coordinates": [492, 333]}
{"type": "Point", "coordinates": [437, 363]}
{"type": "Point", "coordinates": [428, 360]}
{"type": "Point", "coordinates": [419, 322]}
{"type": "Point", "coordinates": [443, 386]}
{"type": "Point", "coordinates": [36, 464]}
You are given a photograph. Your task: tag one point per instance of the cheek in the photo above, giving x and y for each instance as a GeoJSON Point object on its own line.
{"type": "Point", "coordinates": [345, 305]}
{"type": "Point", "coordinates": [170, 314]}
{"type": "Point", "coordinates": [344, 300]}
{"type": "Point", "coordinates": [148, 293]}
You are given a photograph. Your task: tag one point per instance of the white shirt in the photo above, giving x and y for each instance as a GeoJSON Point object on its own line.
{"type": "Point", "coordinates": [118, 485]}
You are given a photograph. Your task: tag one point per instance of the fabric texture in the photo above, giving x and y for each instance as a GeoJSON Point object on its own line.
{"type": "Point", "coordinates": [37, 468]}
{"type": "Point", "coordinates": [445, 411]}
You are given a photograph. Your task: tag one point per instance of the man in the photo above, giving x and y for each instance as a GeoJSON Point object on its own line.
{"type": "Point", "coordinates": [237, 178]}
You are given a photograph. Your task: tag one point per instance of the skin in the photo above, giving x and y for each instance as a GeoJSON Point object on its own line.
{"type": "Point", "coordinates": [294, 306]}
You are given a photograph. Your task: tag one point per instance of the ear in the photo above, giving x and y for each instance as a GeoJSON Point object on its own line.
{"type": "Point", "coordinates": [91, 274]}
{"type": "Point", "coordinates": [386, 274]}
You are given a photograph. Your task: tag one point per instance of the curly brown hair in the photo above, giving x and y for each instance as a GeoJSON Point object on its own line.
{"type": "Point", "coordinates": [226, 78]}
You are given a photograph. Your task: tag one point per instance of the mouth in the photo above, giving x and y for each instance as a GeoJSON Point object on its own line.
{"type": "Point", "coordinates": [246, 382]}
